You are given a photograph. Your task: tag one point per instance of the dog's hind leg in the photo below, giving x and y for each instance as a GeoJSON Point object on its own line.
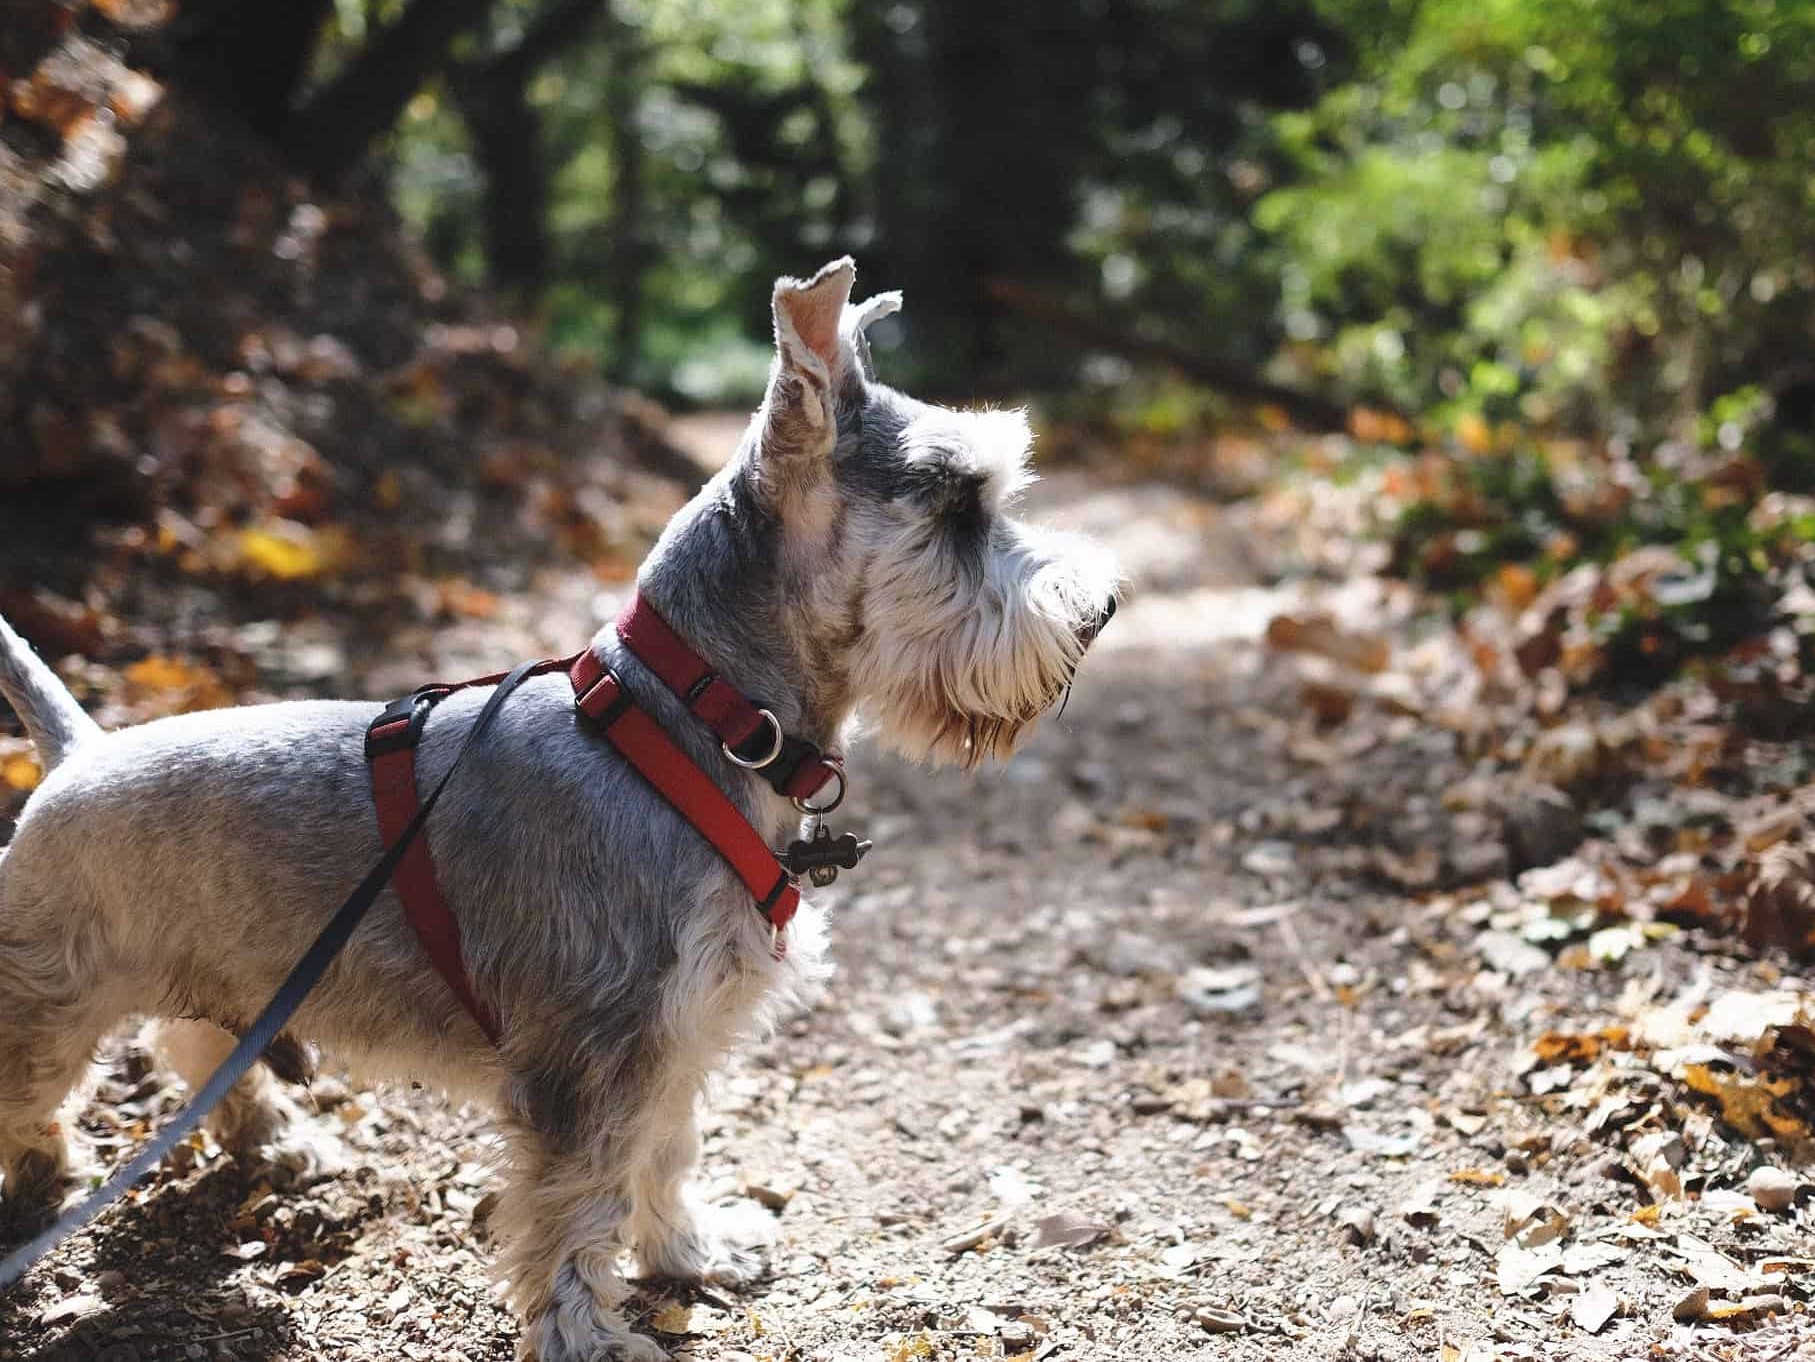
{"type": "Point", "coordinates": [257, 1121]}
{"type": "Point", "coordinates": [51, 1015]}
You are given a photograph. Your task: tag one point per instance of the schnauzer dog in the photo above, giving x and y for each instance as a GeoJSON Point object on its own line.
{"type": "Point", "coordinates": [857, 557]}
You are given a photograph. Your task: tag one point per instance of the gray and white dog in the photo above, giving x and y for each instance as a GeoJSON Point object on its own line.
{"type": "Point", "coordinates": [857, 556]}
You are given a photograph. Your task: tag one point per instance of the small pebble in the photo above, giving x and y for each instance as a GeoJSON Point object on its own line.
{"type": "Point", "coordinates": [1772, 1188]}
{"type": "Point", "coordinates": [1358, 1223]}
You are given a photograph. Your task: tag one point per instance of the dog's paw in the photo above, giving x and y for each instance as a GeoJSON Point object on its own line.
{"type": "Point", "coordinates": [548, 1342]}
{"type": "Point", "coordinates": [40, 1186]}
{"type": "Point", "coordinates": [721, 1247]}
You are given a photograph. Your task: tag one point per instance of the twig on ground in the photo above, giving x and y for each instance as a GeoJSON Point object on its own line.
{"type": "Point", "coordinates": [963, 1243]}
{"type": "Point", "coordinates": [1320, 987]}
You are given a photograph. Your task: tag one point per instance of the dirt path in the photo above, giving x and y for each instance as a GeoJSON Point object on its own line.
{"type": "Point", "coordinates": [1132, 1054]}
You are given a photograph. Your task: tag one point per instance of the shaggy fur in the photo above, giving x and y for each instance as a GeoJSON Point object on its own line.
{"type": "Point", "coordinates": [856, 552]}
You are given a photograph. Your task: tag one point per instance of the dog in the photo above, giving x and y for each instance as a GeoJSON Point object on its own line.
{"type": "Point", "coordinates": [855, 562]}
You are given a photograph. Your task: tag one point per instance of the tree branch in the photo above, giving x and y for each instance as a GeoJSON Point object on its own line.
{"type": "Point", "coordinates": [330, 133]}
{"type": "Point", "coordinates": [1309, 410]}
{"type": "Point", "coordinates": [559, 26]}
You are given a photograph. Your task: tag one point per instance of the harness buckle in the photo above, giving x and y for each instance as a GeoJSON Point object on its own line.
{"type": "Point", "coordinates": [400, 724]}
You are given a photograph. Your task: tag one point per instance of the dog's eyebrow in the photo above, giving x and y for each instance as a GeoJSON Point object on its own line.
{"type": "Point", "coordinates": [993, 445]}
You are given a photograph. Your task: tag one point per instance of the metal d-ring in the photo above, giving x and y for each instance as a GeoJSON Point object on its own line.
{"type": "Point", "coordinates": [769, 756]}
{"type": "Point", "coordinates": [821, 810]}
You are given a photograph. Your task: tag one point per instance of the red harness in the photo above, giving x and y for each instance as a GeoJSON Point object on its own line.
{"type": "Point", "coordinates": [750, 737]}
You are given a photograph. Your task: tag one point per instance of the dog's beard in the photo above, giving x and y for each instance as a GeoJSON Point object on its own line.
{"type": "Point", "coordinates": [962, 676]}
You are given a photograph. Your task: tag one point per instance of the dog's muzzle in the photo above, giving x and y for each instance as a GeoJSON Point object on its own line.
{"type": "Point", "coordinates": [1088, 633]}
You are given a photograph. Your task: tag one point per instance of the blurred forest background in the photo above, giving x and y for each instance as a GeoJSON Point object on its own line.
{"type": "Point", "coordinates": [1544, 262]}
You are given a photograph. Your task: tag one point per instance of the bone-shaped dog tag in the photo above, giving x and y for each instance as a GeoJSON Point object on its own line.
{"type": "Point", "coordinates": [821, 859]}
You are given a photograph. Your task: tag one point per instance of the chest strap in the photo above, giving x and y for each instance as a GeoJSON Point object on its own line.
{"type": "Point", "coordinates": [391, 742]}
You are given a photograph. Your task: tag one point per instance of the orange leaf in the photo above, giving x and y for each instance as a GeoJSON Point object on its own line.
{"type": "Point", "coordinates": [461, 597]}
{"type": "Point", "coordinates": [21, 772]}
{"type": "Point", "coordinates": [179, 686]}
{"type": "Point", "coordinates": [1518, 585]}
{"type": "Point", "coordinates": [1478, 1177]}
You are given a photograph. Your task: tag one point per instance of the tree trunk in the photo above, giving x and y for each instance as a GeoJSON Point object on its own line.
{"type": "Point", "coordinates": [493, 97]}
{"type": "Point", "coordinates": [628, 234]}
{"type": "Point", "coordinates": [507, 143]}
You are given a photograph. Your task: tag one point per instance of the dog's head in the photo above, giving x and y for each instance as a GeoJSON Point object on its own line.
{"type": "Point", "coordinates": [950, 623]}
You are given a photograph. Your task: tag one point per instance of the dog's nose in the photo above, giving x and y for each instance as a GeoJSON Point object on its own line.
{"type": "Point", "coordinates": [1089, 632]}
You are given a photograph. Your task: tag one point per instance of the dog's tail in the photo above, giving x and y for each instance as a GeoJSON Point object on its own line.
{"type": "Point", "coordinates": [53, 719]}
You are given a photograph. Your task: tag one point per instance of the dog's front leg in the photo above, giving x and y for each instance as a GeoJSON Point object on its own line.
{"type": "Point", "coordinates": [565, 1216]}
{"type": "Point", "coordinates": [676, 1234]}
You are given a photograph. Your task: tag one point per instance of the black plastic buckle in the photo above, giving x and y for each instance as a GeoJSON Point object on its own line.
{"type": "Point", "coordinates": [616, 710]}
{"type": "Point", "coordinates": [400, 724]}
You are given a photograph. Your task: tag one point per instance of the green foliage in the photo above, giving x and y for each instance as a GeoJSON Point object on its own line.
{"type": "Point", "coordinates": [747, 133]}
{"type": "Point", "coordinates": [1572, 212]}
{"type": "Point", "coordinates": [1581, 216]}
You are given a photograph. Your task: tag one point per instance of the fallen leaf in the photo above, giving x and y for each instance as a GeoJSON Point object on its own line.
{"type": "Point", "coordinates": [1478, 1177]}
{"type": "Point", "coordinates": [1744, 1017]}
{"type": "Point", "coordinates": [673, 1318]}
{"type": "Point", "coordinates": [1518, 1269]}
{"type": "Point", "coordinates": [1709, 1267]}
{"type": "Point", "coordinates": [1581, 1259]}
{"type": "Point", "coordinates": [21, 772]}
{"type": "Point", "coordinates": [288, 553]}
{"type": "Point", "coordinates": [178, 686]}
{"type": "Point", "coordinates": [1748, 1310]}
{"type": "Point", "coordinates": [74, 1307]}
{"type": "Point", "coordinates": [1592, 1308]}
{"type": "Point", "coordinates": [1371, 1141]}
{"type": "Point", "coordinates": [1529, 1219]}
{"type": "Point", "coordinates": [1321, 635]}
{"type": "Point", "coordinates": [1747, 1102]}
{"type": "Point", "coordinates": [1068, 1229]}
{"type": "Point", "coordinates": [1567, 1047]}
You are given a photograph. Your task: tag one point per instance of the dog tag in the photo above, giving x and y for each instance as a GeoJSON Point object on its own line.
{"type": "Point", "coordinates": [821, 859]}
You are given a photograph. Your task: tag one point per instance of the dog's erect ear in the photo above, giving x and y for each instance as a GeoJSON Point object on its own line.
{"type": "Point", "coordinates": [813, 354]}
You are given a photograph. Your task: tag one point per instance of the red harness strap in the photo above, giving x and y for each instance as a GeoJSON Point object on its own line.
{"type": "Point", "coordinates": [391, 741]}
{"type": "Point", "coordinates": [794, 767]}
{"type": "Point", "coordinates": [690, 791]}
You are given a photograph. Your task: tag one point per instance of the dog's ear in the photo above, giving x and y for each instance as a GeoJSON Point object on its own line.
{"type": "Point", "coordinates": [813, 358]}
{"type": "Point", "coordinates": [857, 320]}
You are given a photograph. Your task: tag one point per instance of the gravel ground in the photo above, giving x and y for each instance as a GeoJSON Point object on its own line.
{"type": "Point", "coordinates": [1132, 1053]}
